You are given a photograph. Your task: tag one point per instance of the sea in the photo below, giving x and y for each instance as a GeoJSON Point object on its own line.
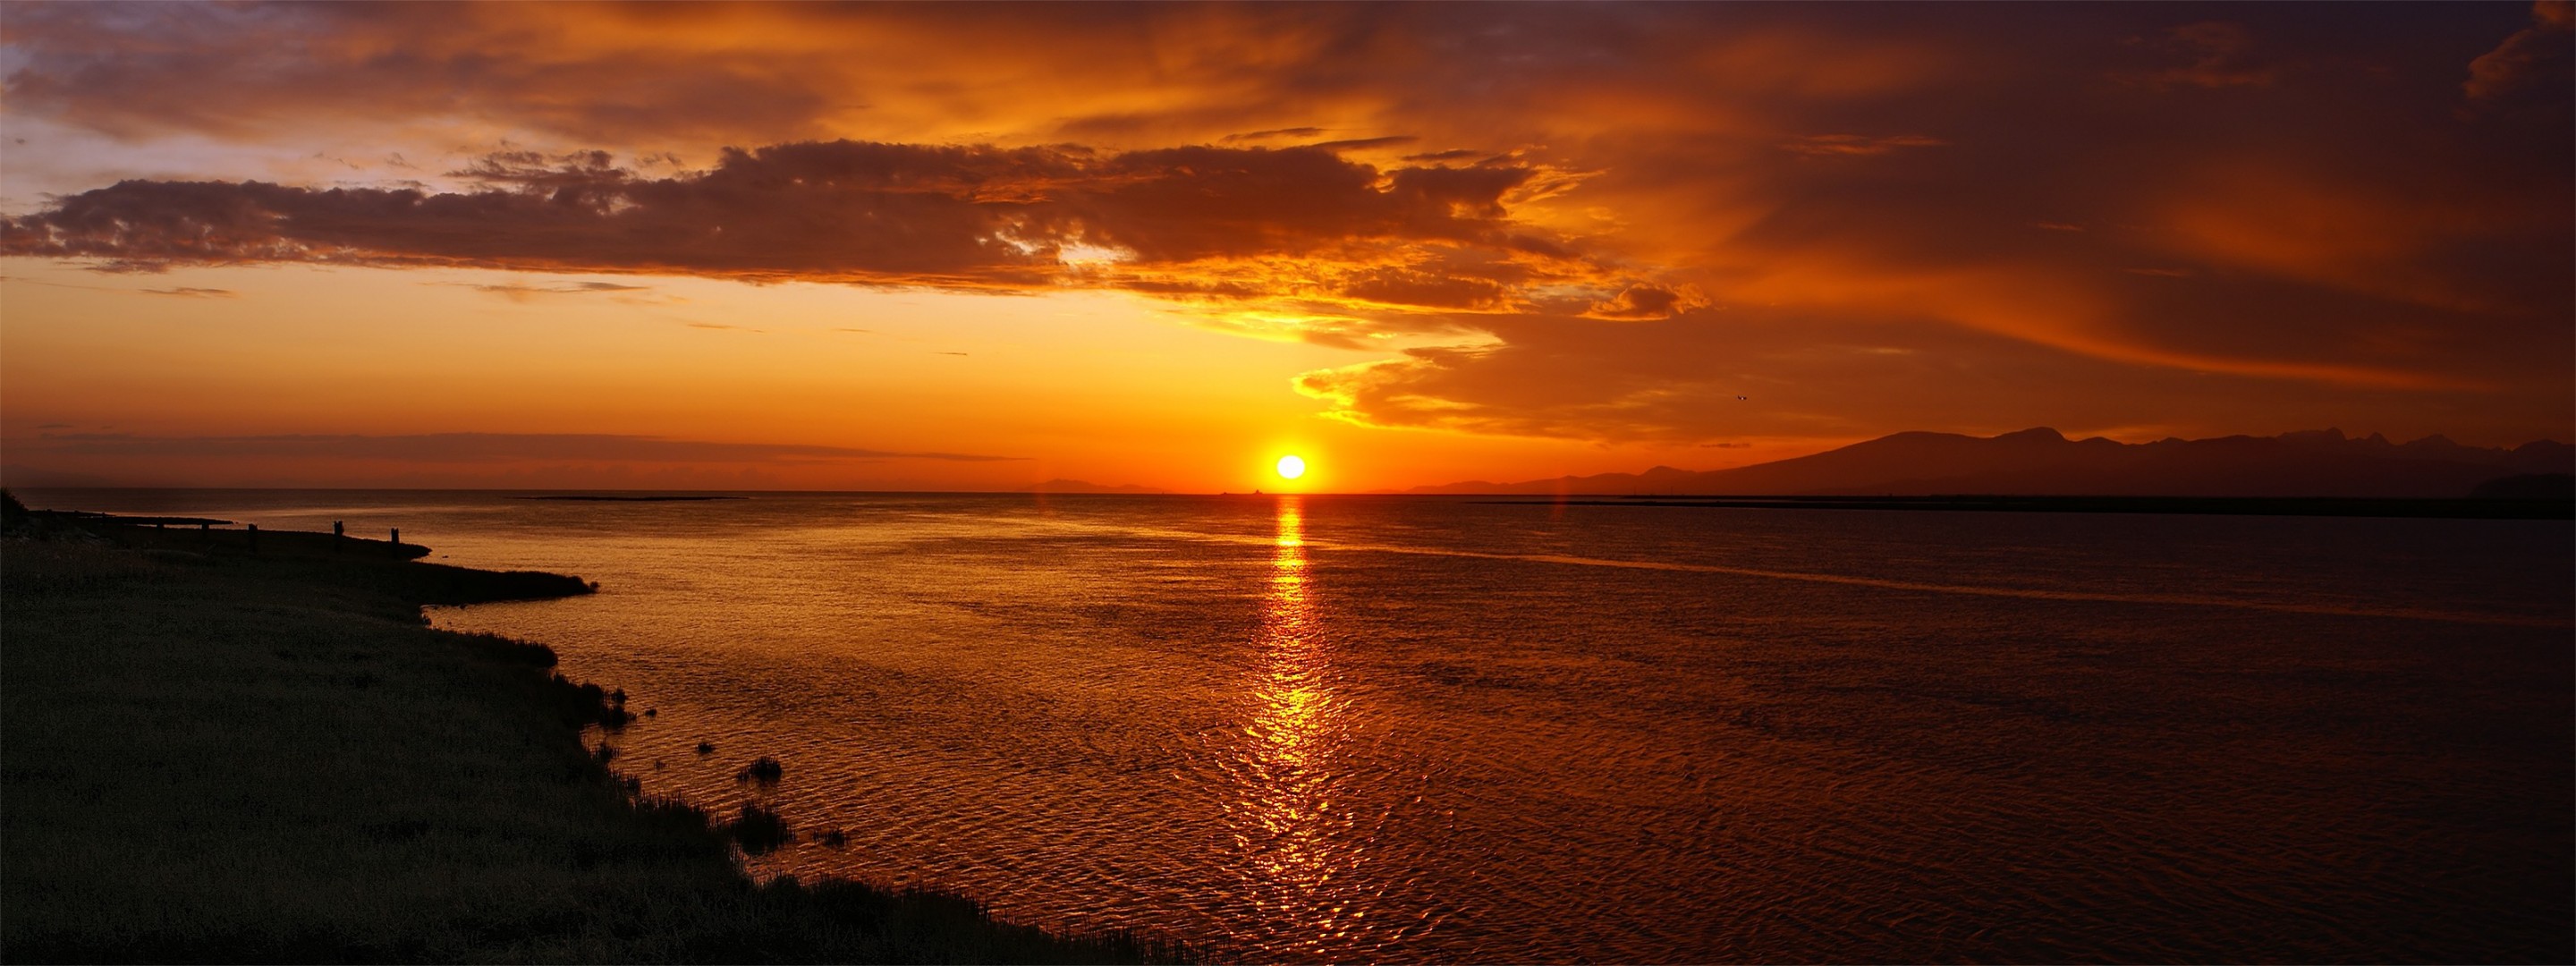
{"type": "Point", "coordinates": [1403, 729]}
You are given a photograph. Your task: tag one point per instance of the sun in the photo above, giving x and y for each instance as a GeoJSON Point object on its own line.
{"type": "Point", "coordinates": [1292, 467]}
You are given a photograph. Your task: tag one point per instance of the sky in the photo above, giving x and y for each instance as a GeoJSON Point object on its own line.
{"type": "Point", "coordinates": [982, 246]}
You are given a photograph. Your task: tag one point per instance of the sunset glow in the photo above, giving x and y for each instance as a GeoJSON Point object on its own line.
{"type": "Point", "coordinates": [948, 247]}
{"type": "Point", "coordinates": [1371, 481]}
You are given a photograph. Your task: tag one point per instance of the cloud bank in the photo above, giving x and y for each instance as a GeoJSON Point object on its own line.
{"type": "Point", "coordinates": [1239, 224]}
{"type": "Point", "coordinates": [465, 448]}
{"type": "Point", "coordinates": [1596, 221]}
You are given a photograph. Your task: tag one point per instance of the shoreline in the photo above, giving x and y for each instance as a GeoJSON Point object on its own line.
{"type": "Point", "coordinates": [217, 751]}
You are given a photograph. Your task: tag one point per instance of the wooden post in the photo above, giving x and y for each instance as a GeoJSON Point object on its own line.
{"type": "Point", "coordinates": [397, 539]}
{"type": "Point", "coordinates": [254, 538]}
{"type": "Point", "coordinates": [338, 530]}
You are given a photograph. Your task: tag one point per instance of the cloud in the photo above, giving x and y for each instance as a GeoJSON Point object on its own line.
{"type": "Point", "coordinates": [1637, 212]}
{"type": "Point", "coordinates": [1356, 144]}
{"type": "Point", "coordinates": [2221, 53]}
{"type": "Point", "coordinates": [2440, 250]}
{"type": "Point", "coordinates": [1647, 302]}
{"type": "Point", "coordinates": [188, 292]}
{"type": "Point", "coordinates": [1202, 222]}
{"type": "Point", "coordinates": [1285, 132]}
{"type": "Point", "coordinates": [1831, 145]}
{"type": "Point", "coordinates": [517, 292]}
{"type": "Point", "coordinates": [2534, 57]}
{"type": "Point", "coordinates": [468, 448]}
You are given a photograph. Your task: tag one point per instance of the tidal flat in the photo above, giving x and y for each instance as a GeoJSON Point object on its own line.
{"type": "Point", "coordinates": [221, 754]}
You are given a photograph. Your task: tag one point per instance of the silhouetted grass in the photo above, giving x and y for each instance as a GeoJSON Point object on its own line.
{"type": "Point", "coordinates": [759, 830]}
{"type": "Point", "coordinates": [761, 769]}
{"type": "Point", "coordinates": [214, 755]}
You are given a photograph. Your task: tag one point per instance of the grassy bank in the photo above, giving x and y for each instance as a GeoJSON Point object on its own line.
{"type": "Point", "coordinates": [214, 752]}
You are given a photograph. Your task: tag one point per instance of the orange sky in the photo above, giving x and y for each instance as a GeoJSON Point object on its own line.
{"type": "Point", "coordinates": [975, 246]}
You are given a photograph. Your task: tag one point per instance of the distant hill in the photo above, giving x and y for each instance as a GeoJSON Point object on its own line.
{"type": "Point", "coordinates": [2041, 462]}
{"type": "Point", "coordinates": [1082, 486]}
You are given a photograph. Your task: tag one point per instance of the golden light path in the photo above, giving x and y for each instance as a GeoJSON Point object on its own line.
{"type": "Point", "coordinates": [1286, 822]}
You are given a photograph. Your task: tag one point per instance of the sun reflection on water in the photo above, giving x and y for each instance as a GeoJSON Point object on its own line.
{"type": "Point", "coordinates": [1293, 841]}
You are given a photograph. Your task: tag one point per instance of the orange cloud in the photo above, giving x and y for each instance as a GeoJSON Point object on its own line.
{"type": "Point", "coordinates": [2434, 248]}
{"type": "Point", "coordinates": [462, 448]}
{"type": "Point", "coordinates": [1230, 224]}
{"type": "Point", "coordinates": [1606, 221]}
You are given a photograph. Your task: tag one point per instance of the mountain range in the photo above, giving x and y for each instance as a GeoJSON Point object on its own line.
{"type": "Point", "coordinates": [2043, 462]}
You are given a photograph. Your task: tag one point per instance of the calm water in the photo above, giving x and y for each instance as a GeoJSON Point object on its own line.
{"type": "Point", "coordinates": [1407, 729]}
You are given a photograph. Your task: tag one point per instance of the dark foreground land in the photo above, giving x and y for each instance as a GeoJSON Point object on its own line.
{"type": "Point", "coordinates": [213, 753]}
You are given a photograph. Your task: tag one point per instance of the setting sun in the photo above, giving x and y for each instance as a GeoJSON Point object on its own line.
{"type": "Point", "coordinates": [1798, 482]}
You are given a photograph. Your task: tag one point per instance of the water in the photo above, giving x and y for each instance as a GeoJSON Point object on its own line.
{"type": "Point", "coordinates": [1415, 729]}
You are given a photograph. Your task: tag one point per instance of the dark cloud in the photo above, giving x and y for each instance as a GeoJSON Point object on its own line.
{"type": "Point", "coordinates": [1285, 132]}
{"type": "Point", "coordinates": [578, 172]}
{"type": "Point", "coordinates": [1646, 302]}
{"type": "Point", "coordinates": [188, 292]}
{"type": "Point", "coordinates": [467, 448]}
{"type": "Point", "coordinates": [1826, 145]}
{"type": "Point", "coordinates": [1360, 143]}
{"type": "Point", "coordinates": [2536, 57]}
{"type": "Point", "coordinates": [2220, 53]}
{"type": "Point", "coordinates": [143, 70]}
{"type": "Point", "coordinates": [969, 217]}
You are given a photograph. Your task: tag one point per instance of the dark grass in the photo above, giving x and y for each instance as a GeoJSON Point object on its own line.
{"type": "Point", "coordinates": [761, 769]}
{"type": "Point", "coordinates": [759, 830]}
{"type": "Point", "coordinates": [219, 756]}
